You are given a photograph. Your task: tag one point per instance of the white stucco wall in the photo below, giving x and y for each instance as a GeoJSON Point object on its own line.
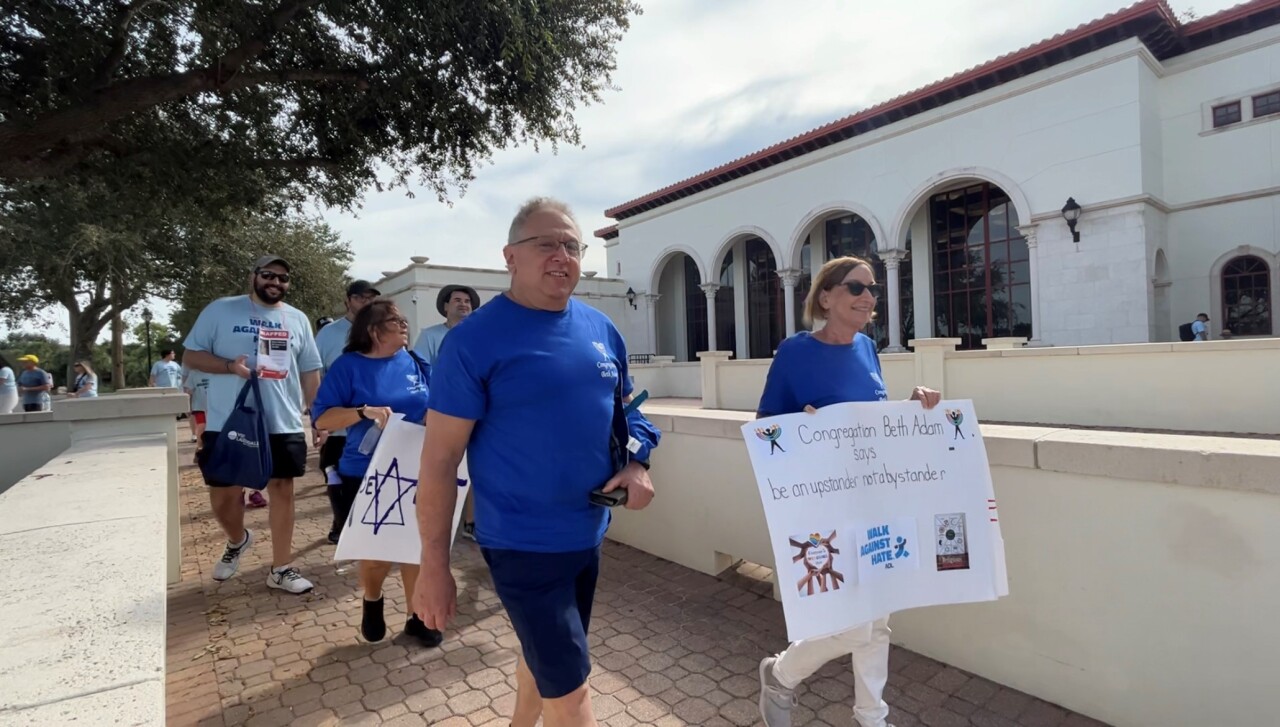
{"type": "Point", "coordinates": [1121, 132]}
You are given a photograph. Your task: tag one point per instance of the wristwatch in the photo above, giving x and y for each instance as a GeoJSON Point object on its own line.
{"type": "Point", "coordinates": [360, 411]}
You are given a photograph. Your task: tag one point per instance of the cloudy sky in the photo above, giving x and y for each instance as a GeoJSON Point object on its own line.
{"type": "Point", "coordinates": [702, 82]}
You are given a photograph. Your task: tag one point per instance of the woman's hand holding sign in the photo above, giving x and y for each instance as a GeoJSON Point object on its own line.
{"type": "Point", "coordinates": [927, 397]}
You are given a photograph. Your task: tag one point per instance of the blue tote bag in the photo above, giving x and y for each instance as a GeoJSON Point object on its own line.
{"type": "Point", "coordinates": [242, 452]}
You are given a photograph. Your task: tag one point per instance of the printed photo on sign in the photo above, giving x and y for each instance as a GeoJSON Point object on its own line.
{"type": "Point", "coordinates": [274, 359]}
{"type": "Point", "coordinates": [887, 547]}
{"type": "Point", "coordinates": [814, 563]}
{"type": "Point", "coordinates": [953, 545]}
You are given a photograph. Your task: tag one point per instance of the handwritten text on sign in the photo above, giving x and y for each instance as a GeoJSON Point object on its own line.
{"type": "Point", "coordinates": [874, 508]}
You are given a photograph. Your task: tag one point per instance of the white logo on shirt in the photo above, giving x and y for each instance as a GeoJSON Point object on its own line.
{"type": "Point", "coordinates": [608, 369]}
{"type": "Point", "coordinates": [415, 385]}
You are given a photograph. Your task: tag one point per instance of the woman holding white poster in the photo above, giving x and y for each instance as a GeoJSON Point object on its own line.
{"type": "Point", "coordinates": [374, 378]}
{"type": "Point", "coordinates": [834, 365]}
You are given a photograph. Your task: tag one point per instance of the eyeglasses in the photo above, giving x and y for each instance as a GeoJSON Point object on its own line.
{"type": "Point", "coordinates": [855, 288]}
{"type": "Point", "coordinates": [397, 321]}
{"type": "Point", "coordinates": [572, 248]}
{"type": "Point", "coordinates": [270, 276]}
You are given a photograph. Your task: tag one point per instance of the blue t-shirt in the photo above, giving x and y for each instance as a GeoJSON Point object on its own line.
{"type": "Point", "coordinates": [228, 328]}
{"type": "Point", "coordinates": [167, 374]}
{"type": "Point", "coordinates": [806, 371]}
{"type": "Point", "coordinates": [8, 381]}
{"type": "Point", "coordinates": [1200, 330]}
{"type": "Point", "coordinates": [429, 340]}
{"type": "Point", "coordinates": [331, 340]}
{"type": "Point", "coordinates": [354, 379]}
{"type": "Point", "coordinates": [539, 386]}
{"type": "Point", "coordinates": [33, 377]}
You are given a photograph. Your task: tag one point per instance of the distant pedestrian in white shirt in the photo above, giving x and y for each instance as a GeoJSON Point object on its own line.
{"type": "Point", "coordinates": [455, 303]}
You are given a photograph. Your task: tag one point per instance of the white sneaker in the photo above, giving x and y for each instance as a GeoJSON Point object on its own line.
{"type": "Point", "coordinates": [776, 700]}
{"type": "Point", "coordinates": [288, 579]}
{"type": "Point", "coordinates": [230, 562]}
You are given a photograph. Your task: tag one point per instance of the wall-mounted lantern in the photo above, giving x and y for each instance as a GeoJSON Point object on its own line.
{"type": "Point", "coordinates": [1071, 213]}
{"type": "Point", "coordinates": [631, 298]}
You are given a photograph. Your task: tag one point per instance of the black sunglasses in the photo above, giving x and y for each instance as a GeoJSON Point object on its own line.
{"type": "Point", "coordinates": [269, 276]}
{"type": "Point", "coordinates": [855, 288]}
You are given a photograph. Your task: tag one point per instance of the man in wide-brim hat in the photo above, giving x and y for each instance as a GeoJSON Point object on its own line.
{"type": "Point", "coordinates": [455, 303]}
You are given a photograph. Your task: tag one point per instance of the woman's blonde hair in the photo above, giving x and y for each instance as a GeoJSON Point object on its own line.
{"type": "Point", "coordinates": [827, 278]}
{"type": "Point", "coordinates": [88, 368]}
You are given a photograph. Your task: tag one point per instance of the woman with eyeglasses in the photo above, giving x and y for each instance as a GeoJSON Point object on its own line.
{"type": "Point", "coordinates": [375, 377]}
{"type": "Point", "coordinates": [833, 365]}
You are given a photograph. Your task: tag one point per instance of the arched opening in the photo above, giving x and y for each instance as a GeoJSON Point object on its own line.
{"type": "Point", "coordinates": [766, 326]}
{"type": "Point", "coordinates": [1246, 296]}
{"type": "Point", "coordinates": [836, 235]}
{"type": "Point", "coordinates": [981, 265]}
{"type": "Point", "coordinates": [681, 325]}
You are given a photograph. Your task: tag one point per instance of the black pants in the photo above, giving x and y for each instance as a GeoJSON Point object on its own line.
{"type": "Point", "coordinates": [341, 497]}
{"type": "Point", "coordinates": [33, 407]}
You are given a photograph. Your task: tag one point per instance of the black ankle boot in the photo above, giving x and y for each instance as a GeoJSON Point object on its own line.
{"type": "Point", "coordinates": [372, 625]}
{"type": "Point", "coordinates": [429, 638]}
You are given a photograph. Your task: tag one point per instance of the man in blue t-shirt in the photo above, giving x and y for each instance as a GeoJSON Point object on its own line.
{"type": "Point", "coordinates": [34, 384]}
{"type": "Point", "coordinates": [167, 372]}
{"type": "Point", "coordinates": [225, 343]}
{"type": "Point", "coordinates": [1200, 327]}
{"type": "Point", "coordinates": [455, 303]}
{"type": "Point", "coordinates": [331, 340]}
{"type": "Point", "coordinates": [531, 388]}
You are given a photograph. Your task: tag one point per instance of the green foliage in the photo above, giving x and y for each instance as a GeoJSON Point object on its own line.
{"type": "Point", "coordinates": [241, 100]}
{"type": "Point", "coordinates": [318, 260]}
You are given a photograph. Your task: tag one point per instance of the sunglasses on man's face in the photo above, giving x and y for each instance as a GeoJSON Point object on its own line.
{"type": "Point", "coordinates": [855, 288]}
{"type": "Point", "coordinates": [271, 276]}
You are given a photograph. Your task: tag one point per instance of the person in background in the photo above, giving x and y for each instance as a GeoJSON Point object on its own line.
{"type": "Point", "coordinates": [225, 335]}
{"type": "Point", "coordinates": [34, 384]}
{"type": "Point", "coordinates": [375, 377]}
{"type": "Point", "coordinates": [1200, 327]}
{"type": "Point", "coordinates": [167, 372]}
{"type": "Point", "coordinates": [8, 387]}
{"type": "Point", "coordinates": [85, 385]}
{"type": "Point", "coordinates": [532, 388]}
{"type": "Point", "coordinates": [196, 384]}
{"type": "Point", "coordinates": [809, 371]}
{"type": "Point", "coordinates": [331, 340]}
{"type": "Point", "coordinates": [455, 303]}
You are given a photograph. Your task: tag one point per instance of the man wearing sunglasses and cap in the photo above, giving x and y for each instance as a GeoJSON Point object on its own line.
{"type": "Point", "coordinates": [331, 340]}
{"type": "Point", "coordinates": [455, 303]}
{"type": "Point", "coordinates": [224, 344]}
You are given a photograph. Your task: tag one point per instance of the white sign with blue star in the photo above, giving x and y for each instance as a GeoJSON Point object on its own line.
{"type": "Point", "coordinates": [383, 523]}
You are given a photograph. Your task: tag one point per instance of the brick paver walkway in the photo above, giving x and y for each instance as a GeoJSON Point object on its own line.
{"type": "Point", "coordinates": [671, 647]}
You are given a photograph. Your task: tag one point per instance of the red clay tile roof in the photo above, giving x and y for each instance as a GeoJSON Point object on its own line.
{"type": "Point", "coordinates": [1151, 21]}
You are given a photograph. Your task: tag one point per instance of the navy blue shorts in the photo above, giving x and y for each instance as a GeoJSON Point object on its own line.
{"type": "Point", "coordinates": [548, 597]}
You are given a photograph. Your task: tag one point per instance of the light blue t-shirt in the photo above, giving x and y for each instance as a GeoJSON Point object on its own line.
{"type": "Point", "coordinates": [331, 340]}
{"type": "Point", "coordinates": [429, 340]}
{"type": "Point", "coordinates": [539, 386]}
{"type": "Point", "coordinates": [34, 377]}
{"type": "Point", "coordinates": [167, 374]}
{"type": "Point", "coordinates": [228, 328]}
{"type": "Point", "coordinates": [8, 382]}
{"type": "Point", "coordinates": [806, 371]}
{"type": "Point", "coordinates": [86, 385]}
{"type": "Point", "coordinates": [354, 379]}
{"type": "Point", "coordinates": [1200, 330]}
{"type": "Point", "coordinates": [196, 383]}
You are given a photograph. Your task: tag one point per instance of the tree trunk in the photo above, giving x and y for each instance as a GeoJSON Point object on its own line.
{"type": "Point", "coordinates": [117, 351]}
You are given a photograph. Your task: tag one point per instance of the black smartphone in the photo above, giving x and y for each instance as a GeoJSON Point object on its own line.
{"type": "Point", "coordinates": [608, 499]}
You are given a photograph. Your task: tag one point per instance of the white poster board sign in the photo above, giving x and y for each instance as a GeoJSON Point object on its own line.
{"type": "Point", "coordinates": [383, 523]}
{"type": "Point", "coordinates": [875, 508]}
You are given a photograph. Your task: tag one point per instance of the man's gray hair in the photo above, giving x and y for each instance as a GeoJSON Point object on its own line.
{"type": "Point", "coordinates": [538, 204]}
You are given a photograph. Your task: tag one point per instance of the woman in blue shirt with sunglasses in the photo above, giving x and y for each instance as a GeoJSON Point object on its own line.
{"type": "Point", "coordinates": [834, 365]}
{"type": "Point", "coordinates": [375, 377]}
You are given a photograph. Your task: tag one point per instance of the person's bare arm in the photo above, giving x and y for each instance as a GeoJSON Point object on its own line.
{"type": "Point", "coordinates": [310, 385]}
{"type": "Point", "coordinates": [435, 598]}
{"type": "Point", "coordinates": [211, 364]}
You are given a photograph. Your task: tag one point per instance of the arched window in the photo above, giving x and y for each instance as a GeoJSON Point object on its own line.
{"type": "Point", "coordinates": [1246, 296]}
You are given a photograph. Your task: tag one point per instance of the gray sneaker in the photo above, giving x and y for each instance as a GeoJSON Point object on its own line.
{"type": "Point", "coordinates": [230, 562]}
{"type": "Point", "coordinates": [776, 700]}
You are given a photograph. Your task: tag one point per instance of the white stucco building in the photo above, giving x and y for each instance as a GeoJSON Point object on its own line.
{"type": "Point", "coordinates": [1167, 134]}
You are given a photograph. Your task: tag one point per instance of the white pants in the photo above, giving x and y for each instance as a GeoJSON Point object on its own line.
{"type": "Point", "coordinates": [8, 402]}
{"type": "Point", "coordinates": [869, 646]}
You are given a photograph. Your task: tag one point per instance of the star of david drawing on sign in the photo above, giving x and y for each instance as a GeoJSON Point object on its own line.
{"type": "Point", "coordinates": [387, 507]}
